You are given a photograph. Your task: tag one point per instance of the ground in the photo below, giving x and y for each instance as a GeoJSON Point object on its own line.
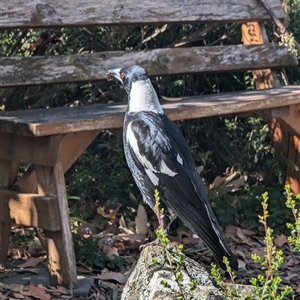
{"type": "Point", "coordinates": [25, 276]}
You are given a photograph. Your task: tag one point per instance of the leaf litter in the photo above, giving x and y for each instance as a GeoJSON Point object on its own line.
{"type": "Point", "coordinates": [124, 242]}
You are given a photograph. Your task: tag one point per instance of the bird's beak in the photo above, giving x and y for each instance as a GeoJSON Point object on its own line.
{"type": "Point", "coordinates": [113, 74]}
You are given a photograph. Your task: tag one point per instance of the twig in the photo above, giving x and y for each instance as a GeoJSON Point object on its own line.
{"type": "Point", "coordinates": [284, 77]}
{"type": "Point", "coordinates": [278, 23]}
{"type": "Point", "coordinates": [194, 36]}
{"type": "Point", "coordinates": [153, 35]}
{"type": "Point", "coordinates": [18, 41]}
{"type": "Point", "coordinates": [223, 37]}
{"type": "Point", "coordinates": [41, 239]}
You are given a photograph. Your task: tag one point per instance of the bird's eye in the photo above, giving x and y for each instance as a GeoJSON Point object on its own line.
{"type": "Point", "coordinates": [122, 75]}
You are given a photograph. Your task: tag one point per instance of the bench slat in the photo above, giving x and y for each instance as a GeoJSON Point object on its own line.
{"type": "Point", "coordinates": [16, 71]}
{"type": "Point", "coordinates": [62, 13]}
{"type": "Point", "coordinates": [41, 122]}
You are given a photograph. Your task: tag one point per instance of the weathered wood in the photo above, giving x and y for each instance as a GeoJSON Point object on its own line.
{"type": "Point", "coordinates": [72, 147]}
{"type": "Point", "coordinates": [285, 140]}
{"type": "Point", "coordinates": [287, 145]}
{"type": "Point", "coordinates": [53, 121]}
{"type": "Point", "coordinates": [29, 210]}
{"type": "Point", "coordinates": [8, 175]}
{"type": "Point", "coordinates": [27, 183]}
{"type": "Point", "coordinates": [17, 71]}
{"type": "Point", "coordinates": [42, 13]}
{"type": "Point", "coordinates": [254, 33]}
{"type": "Point", "coordinates": [293, 119]}
{"type": "Point", "coordinates": [61, 257]}
{"type": "Point", "coordinates": [42, 151]}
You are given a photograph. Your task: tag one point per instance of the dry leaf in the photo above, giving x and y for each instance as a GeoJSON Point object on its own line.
{"type": "Point", "coordinates": [122, 222]}
{"type": "Point", "coordinates": [112, 212]}
{"type": "Point", "coordinates": [123, 227]}
{"type": "Point", "coordinates": [218, 182]}
{"type": "Point", "coordinates": [141, 220]}
{"type": "Point", "coordinates": [117, 276]}
{"type": "Point", "coordinates": [280, 240]}
{"type": "Point", "coordinates": [241, 253]}
{"type": "Point", "coordinates": [84, 270]}
{"type": "Point", "coordinates": [18, 296]}
{"type": "Point", "coordinates": [38, 293]}
{"type": "Point", "coordinates": [55, 290]}
{"type": "Point", "coordinates": [111, 252]}
{"type": "Point", "coordinates": [134, 237]}
{"type": "Point", "coordinates": [35, 44]}
{"type": "Point", "coordinates": [242, 264]}
{"type": "Point", "coordinates": [247, 232]}
{"type": "Point", "coordinates": [31, 262]}
{"type": "Point", "coordinates": [242, 236]}
{"type": "Point", "coordinates": [230, 229]}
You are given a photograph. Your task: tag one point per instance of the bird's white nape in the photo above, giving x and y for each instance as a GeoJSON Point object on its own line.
{"type": "Point", "coordinates": [143, 97]}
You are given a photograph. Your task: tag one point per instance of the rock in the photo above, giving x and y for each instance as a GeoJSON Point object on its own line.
{"type": "Point", "coordinates": [144, 282]}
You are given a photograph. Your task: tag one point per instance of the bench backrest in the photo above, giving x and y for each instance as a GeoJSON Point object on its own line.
{"type": "Point", "coordinates": [16, 71]}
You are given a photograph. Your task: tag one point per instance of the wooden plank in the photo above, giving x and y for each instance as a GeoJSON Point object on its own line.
{"type": "Point", "coordinates": [17, 71]}
{"type": "Point", "coordinates": [287, 145]}
{"type": "Point", "coordinates": [41, 122]}
{"type": "Point", "coordinates": [61, 257]}
{"type": "Point", "coordinates": [254, 33]}
{"type": "Point", "coordinates": [29, 210]}
{"type": "Point", "coordinates": [42, 151]}
{"type": "Point", "coordinates": [42, 13]}
{"type": "Point", "coordinates": [285, 138]}
{"type": "Point", "coordinates": [8, 175]}
{"type": "Point", "coordinates": [72, 147]}
{"type": "Point", "coordinates": [293, 119]}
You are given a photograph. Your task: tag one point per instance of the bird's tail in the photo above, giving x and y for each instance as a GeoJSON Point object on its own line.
{"type": "Point", "coordinates": [213, 238]}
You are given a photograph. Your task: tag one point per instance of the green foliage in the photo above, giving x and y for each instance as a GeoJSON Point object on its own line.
{"type": "Point", "coordinates": [88, 252]}
{"type": "Point", "coordinates": [247, 206]}
{"type": "Point", "coordinates": [266, 285]}
{"type": "Point", "coordinates": [22, 237]}
{"type": "Point", "coordinates": [293, 202]}
{"type": "Point", "coordinates": [101, 172]}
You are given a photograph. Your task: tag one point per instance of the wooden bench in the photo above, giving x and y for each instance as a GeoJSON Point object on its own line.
{"type": "Point", "coordinates": [51, 140]}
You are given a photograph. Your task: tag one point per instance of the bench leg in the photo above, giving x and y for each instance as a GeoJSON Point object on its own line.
{"type": "Point", "coordinates": [8, 175]}
{"type": "Point", "coordinates": [61, 257]}
{"type": "Point", "coordinates": [4, 240]}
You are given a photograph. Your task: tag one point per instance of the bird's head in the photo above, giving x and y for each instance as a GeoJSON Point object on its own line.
{"type": "Point", "coordinates": [127, 76]}
{"type": "Point", "coordinates": [141, 94]}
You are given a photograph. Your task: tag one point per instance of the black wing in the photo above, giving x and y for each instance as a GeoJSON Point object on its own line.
{"type": "Point", "coordinates": [161, 153]}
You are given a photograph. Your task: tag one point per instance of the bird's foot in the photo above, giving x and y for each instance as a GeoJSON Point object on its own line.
{"type": "Point", "coordinates": [153, 243]}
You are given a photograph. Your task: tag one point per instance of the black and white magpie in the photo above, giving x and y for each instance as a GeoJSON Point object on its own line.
{"type": "Point", "coordinates": [159, 158]}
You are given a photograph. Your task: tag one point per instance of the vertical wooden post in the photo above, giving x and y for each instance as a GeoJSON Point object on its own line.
{"type": "Point", "coordinates": [286, 139]}
{"type": "Point", "coordinates": [288, 145]}
{"type": "Point", "coordinates": [61, 257]}
{"type": "Point", "coordinates": [8, 175]}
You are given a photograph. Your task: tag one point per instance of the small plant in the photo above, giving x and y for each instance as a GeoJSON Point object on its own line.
{"type": "Point", "coordinates": [291, 201]}
{"type": "Point", "coordinates": [266, 286]}
{"type": "Point", "coordinates": [174, 257]}
{"type": "Point", "coordinates": [228, 290]}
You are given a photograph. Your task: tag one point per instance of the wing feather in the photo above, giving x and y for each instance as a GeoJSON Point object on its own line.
{"type": "Point", "coordinates": [160, 151]}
